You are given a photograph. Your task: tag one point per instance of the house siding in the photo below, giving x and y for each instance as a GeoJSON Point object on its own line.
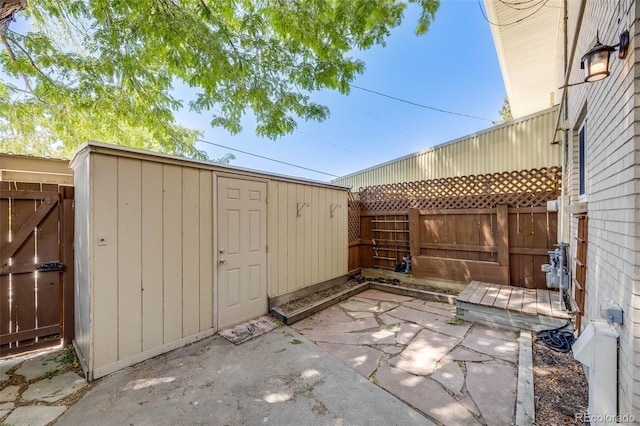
{"type": "Point", "coordinates": [613, 181]}
{"type": "Point", "coordinates": [521, 144]}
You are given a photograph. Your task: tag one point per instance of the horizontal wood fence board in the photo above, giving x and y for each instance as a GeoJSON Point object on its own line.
{"type": "Point", "coordinates": [459, 247]}
{"type": "Point", "coordinates": [30, 334]}
{"type": "Point", "coordinates": [459, 270]}
{"type": "Point", "coordinates": [48, 196]}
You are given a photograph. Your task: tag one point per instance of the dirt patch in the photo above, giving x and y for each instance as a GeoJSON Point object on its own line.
{"type": "Point", "coordinates": [294, 305]}
{"type": "Point", "coordinates": [560, 387]}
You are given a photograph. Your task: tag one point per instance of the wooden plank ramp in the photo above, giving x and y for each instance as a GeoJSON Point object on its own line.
{"type": "Point", "coordinates": [510, 307]}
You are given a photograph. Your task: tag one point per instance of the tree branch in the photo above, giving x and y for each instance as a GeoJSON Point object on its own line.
{"type": "Point", "coordinates": [12, 55]}
{"type": "Point", "coordinates": [8, 8]}
{"type": "Point", "coordinates": [33, 63]}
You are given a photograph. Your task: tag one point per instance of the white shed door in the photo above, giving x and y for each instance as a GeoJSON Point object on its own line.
{"type": "Point", "coordinates": [242, 250]}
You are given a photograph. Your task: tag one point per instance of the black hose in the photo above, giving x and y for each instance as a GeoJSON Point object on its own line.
{"type": "Point", "coordinates": [558, 339]}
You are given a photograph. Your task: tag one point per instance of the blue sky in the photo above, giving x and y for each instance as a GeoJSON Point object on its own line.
{"type": "Point", "coordinates": [453, 67]}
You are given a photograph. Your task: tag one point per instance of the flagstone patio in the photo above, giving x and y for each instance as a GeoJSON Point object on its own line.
{"type": "Point", "coordinates": [452, 372]}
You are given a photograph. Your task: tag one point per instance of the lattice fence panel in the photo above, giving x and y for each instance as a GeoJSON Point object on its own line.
{"type": "Point", "coordinates": [524, 188]}
{"type": "Point", "coordinates": [354, 217]}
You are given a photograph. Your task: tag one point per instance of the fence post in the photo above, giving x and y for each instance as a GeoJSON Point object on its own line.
{"type": "Point", "coordinates": [414, 234]}
{"type": "Point", "coordinates": [502, 213]}
{"type": "Point", "coordinates": [66, 231]}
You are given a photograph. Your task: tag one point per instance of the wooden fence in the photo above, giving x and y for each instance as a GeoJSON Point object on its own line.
{"type": "Point", "coordinates": [489, 228]}
{"type": "Point", "coordinates": [354, 232]}
{"type": "Point", "coordinates": [36, 266]}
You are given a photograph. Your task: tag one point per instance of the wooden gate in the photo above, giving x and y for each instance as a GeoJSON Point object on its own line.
{"type": "Point", "coordinates": [36, 266]}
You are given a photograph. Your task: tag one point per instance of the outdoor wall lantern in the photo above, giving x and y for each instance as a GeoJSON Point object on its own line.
{"type": "Point", "coordinates": [595, 62]}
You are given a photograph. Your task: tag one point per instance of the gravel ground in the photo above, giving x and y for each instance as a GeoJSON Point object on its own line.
{"type": "Point", "coordinates": [560, 387]}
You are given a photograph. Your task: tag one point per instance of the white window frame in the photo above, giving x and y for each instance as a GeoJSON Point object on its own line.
{"type": "Point", "coordinates": [583, 161]}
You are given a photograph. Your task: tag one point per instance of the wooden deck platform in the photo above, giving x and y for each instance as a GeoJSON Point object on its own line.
{"type": "Point", "coordinates": [510, 307]}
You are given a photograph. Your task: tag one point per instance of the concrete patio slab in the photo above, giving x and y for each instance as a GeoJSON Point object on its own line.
{"type": "Point", "coordinates": [54, 389]}
{"type": "Point", "coordinates": [271, 379]}
{"type": "Point", "coordinates": [35, 415]}
{"type": "Point", "coordinates": [425, 395]}
{"type": "Point", "coordinates": [425, 350]}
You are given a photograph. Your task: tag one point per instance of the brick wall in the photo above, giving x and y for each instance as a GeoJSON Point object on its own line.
{"type": "Point", "coordinates": [613, 180]}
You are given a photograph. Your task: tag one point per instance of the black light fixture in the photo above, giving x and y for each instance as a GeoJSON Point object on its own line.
{"type": "Point", "coordinates": [595, 62]}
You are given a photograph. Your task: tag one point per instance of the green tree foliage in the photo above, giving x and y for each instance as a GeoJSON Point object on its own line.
{"type": "Point", "coordinates": [505, 111]}
{"type": "Point", "coordinates": [105, 69]}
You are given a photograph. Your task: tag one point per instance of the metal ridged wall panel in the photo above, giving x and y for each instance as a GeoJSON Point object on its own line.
{"type": "Point", "coordinates": [525, 143]}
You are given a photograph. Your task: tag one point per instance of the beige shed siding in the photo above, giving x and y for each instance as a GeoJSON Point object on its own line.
{"type": "Point", "coordinates": [151, 251]}
{"type": "Point", "coordinates": [104, 260]}
{"type": "Point", "coordinates": [82, 273]}
{"type": "Point", "coordinates": [521, 144]}
{"type": "Point", "coordinates": [308, 249]}
{"type": "Point", "coordinates": [152, 280]}
{"type": "Point", "coordinates": [613, 182]}
{"type": "Point", "coordinates": [23, 168]}
{"type": "Point", "coordinates": [207, 217]}
{"type": "Point", "coordinates": [146, 249]}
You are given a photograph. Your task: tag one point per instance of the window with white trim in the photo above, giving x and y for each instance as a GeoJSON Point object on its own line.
{"type": "Point", "coordinates": [582, 161]}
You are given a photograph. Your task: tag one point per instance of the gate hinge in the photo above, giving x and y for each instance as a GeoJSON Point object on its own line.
{"type": "Point", "coordinates": [50, 266]}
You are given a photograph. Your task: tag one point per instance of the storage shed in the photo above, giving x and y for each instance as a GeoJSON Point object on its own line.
{"type": "Point", "coordinates": [170, 250]}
